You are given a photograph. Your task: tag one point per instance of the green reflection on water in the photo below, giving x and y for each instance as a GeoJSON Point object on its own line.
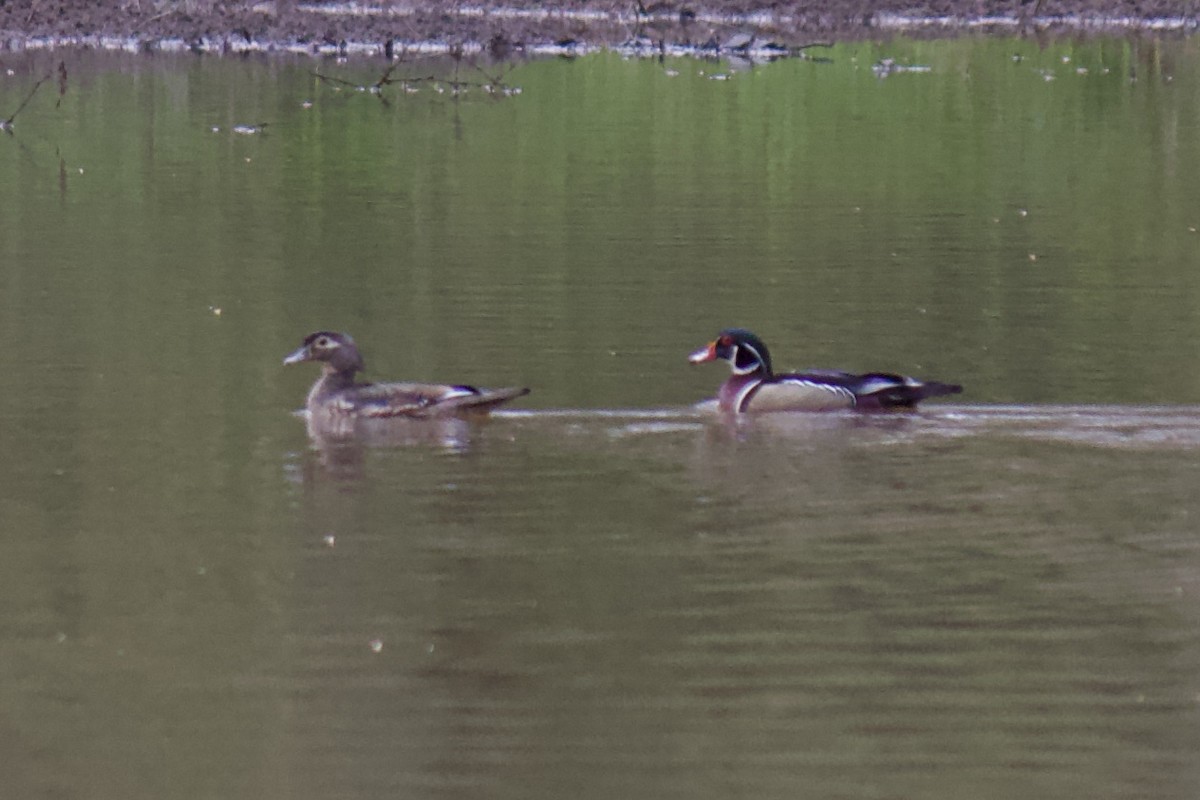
{"type": "Point", "coordinates": [1028, 237]}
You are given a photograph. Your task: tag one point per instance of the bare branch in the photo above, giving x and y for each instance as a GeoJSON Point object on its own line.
{"type": "Point", "coordinates": [6, 125]}
{"type": "Point", "coordinates": [62, 82]}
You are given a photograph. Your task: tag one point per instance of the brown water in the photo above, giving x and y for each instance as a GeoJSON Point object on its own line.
{"type": "Point", "coordinates": [602, 592]}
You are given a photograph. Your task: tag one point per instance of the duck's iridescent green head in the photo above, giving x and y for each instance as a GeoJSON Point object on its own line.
{"type": "Point", "coordinates": [744, 351]}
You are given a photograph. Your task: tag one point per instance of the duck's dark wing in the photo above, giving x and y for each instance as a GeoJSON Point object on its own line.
{"type": "Point", "coordinates": [880, 389]}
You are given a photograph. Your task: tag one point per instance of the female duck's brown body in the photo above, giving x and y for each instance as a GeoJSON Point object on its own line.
{"type": "Point", "coordinates": [338, 394]}
{"type": "Point", "coordinates": [754, 386]}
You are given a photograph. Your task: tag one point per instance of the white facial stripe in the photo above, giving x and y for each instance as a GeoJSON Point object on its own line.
{"type": "Point", "coordinates": [745, 370]}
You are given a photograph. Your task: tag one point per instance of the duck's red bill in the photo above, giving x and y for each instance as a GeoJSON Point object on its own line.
{"type": "Point", "coordinates": [706, 353]}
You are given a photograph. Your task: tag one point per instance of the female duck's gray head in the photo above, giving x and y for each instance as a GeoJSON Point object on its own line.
{"type": "Point", "coordinates": [336, 352]}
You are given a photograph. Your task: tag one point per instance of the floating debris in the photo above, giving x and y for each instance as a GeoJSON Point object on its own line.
{"type": "Point", "coordinates": [249, 130]}
{"type": "Point", "coordinates": [376, 645]}
{"type": "Point", "coordinates": [738, 41]}
{"type": "Point", "coordinates": [888, 66]}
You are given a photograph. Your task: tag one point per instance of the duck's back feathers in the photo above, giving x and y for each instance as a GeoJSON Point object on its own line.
{"type": "Point", "coordinates": [382, 400]}
{"type": "Point", "coordinates": [827, 390]}
{"type": "Point", "coordinates": [882, 390]}
{"type": "Point", "coordinates": [792, 393]}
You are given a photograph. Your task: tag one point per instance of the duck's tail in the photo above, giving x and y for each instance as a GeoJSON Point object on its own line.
{"type": "Point", "coordinates": [897, 391]}
{"type": "Point", "coordinates": [480, 401]}
{"type": "Point", "coordinates": [908, 395]}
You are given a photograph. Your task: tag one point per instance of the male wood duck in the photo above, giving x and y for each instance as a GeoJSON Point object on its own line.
{"type": "Point", "coordinates": [754, 386]}
{"type": "Point", "coordinates": [338, 395]}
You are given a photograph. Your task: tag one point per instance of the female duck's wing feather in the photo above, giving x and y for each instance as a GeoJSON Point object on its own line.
{"type": "Point", "coordinates": [422, 399]}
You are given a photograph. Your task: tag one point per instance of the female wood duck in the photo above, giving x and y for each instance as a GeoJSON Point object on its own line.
{"type": "Point", "coordinates": [338, 395]}
{"type": "Point", "coordinates": [754, 386]}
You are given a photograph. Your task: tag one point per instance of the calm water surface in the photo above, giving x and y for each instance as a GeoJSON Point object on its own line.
{"type": "Point", "coordinates": [603, 592]}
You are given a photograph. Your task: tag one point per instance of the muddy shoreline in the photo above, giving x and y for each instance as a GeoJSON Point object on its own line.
{"type": "Point", "coordinates": [505, 29]}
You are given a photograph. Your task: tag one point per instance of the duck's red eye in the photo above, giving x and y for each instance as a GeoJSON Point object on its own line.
{"type": "Point", "coordinates": [726, 341]}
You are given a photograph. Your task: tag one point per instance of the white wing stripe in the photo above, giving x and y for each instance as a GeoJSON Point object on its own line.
{"type": "Point", "coordinates": [840, 391]}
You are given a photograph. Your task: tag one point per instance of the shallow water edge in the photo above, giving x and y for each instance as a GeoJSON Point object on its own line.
{"type": "Point", "coordinates": [505, 30]}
